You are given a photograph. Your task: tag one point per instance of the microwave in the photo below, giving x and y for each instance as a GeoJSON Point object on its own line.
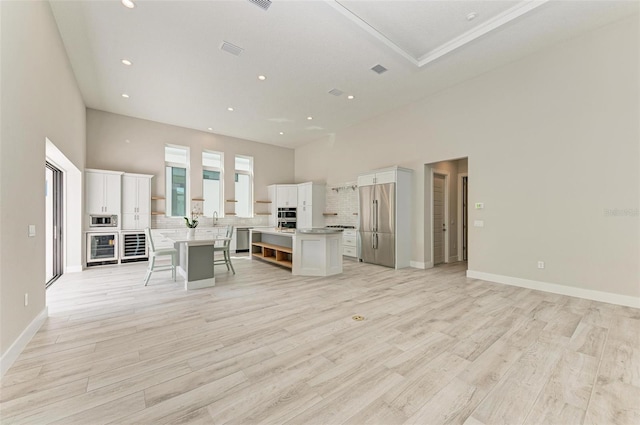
{"type": "Point", "coordinates": [103, 221]}
{"type": "Point", "coordinates": [287, 213]}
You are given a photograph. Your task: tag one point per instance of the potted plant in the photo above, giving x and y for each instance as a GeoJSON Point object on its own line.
{"type": "Point", "coordinates": [191, 225]}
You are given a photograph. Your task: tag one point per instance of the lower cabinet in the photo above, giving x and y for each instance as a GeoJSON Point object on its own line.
{"type": "Point", "coordinates": [349, 245]}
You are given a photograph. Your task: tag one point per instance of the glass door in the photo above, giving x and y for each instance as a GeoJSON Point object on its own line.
{"type": "Point", "coordinates": [53, 224]}
{"type": "Point", "coordinates": [102, 247]}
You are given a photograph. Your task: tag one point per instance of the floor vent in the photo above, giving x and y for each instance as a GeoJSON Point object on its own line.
{"type": "Point", "coordinates": [231, 48]}
{"type": "Point", "coordinates": [379, 69]}
{"type": "Point", "coordinates": [262, 4]}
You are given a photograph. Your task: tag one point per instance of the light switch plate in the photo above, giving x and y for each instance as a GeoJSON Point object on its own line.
{"type": "Point", "coordinates": [32, 230]}
{"type": "Point", "coordinates": [478, 223]}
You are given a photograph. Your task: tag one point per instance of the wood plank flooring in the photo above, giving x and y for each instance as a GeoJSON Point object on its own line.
{"type": "Point", "coordinates": [265, 347]}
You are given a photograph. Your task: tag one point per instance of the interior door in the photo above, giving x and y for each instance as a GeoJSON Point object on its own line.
{"type": "Point", "coordinates": [53, 224]}
{"type": "Point", "coordinates": [439, 225]}
{"type": "Point", "coordinates": [465, 217]}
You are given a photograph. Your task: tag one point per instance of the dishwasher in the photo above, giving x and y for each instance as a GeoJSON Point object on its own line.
{"type": "Point", "coordinates": [242, 241]}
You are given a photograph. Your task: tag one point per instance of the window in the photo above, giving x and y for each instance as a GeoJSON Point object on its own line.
{"type": "Point", "coordinates": [212, 183]}
{"type": "Point", "coordinates": [244, 186]}
{"type": "Point", "coordinates": [176, 159]}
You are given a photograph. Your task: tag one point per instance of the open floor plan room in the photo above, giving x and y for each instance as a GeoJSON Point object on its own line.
{"type": "Point", "coordinates": [264, 346]}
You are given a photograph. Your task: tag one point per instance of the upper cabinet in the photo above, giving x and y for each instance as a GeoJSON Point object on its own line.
{"type": "Point", "coordinates": [136, 201]}
{"type": "Point", "coordinates": [286, 196]}
{"type": "Point", "coordinates": [377, 177]}
{"type": "Point", "coordinates": [102, 192]}
{"type": "Point", "coordinates": [311, 202]}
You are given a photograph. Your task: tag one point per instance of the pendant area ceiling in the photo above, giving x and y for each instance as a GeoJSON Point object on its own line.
{"type": "Point", "coordinates": [306, 49]}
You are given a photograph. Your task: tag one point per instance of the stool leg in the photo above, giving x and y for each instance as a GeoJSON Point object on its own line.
{"type": "Point", "coordinates": [152, 261]}
{"type": "Point", "coordinates": [173, 268]}
{"type": "Point", "coordinates": [229, 263]}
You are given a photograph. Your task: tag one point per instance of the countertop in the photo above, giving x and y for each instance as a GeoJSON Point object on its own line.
{"type": "Point", "coordinates": [311, 231]}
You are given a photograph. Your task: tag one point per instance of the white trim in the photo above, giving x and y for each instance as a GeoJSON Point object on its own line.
{"type": "Point", "coordinates": [446, 212]}
{"type": "Point", "coordinates": [460, 212]}
{"type": "Point", "coordinates": [10, 356]}
{"type": "Point", "coordinates": [497, 21]}
{"type": "Point", "coordinates": [73, 269]}
{"type": "Point", "coordinates": [503, 18]}
{"type": "Point", "coordinates": [554, 288]}
{"type": "Point", "coordinates": [417, 264]}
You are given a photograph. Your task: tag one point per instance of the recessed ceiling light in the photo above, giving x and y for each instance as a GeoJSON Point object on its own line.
{"type": "Point", "coordinates": [351, 97]}
{"type": "Point", "coordinates": [126, 96]}
{"type": "Point", "coordinates": [210, 129]}
{"type": "Point", "coordinates": [471, 16]}
{"type": "Point", "coordinates": [281, 133]}
{"type": "Point", "coordinates": [261, 77]}
{"type": "Point", "coordinates": [127, 62]}
{"type": "Point", "coordinates": [128, 3]}
{"type": "Point", "coordinates": [230, 109]}
{"type": "Point", "coordinates": [309, 118]}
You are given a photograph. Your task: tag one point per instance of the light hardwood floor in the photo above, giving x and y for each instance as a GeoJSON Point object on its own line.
{"type": "Point", "coordinates": [264, 347]}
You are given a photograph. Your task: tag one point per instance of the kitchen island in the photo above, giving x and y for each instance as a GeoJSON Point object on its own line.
{"type": "Point", "coordinates": [195, 257]}
{"type": "Point", "coordinates": [307, 252]}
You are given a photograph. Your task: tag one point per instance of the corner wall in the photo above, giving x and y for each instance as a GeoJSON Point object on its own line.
{"type": "Point", "coordinates": [40, 99]}
{"type": "Point", "coordinates": [553, 148]}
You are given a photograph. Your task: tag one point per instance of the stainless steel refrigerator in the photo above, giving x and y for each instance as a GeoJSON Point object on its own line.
{"type": "Point", "coordinates": [377, 228]}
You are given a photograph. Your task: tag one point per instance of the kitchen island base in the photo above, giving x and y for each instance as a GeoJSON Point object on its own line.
{"type": "Point", "coordinates": [305, 253]}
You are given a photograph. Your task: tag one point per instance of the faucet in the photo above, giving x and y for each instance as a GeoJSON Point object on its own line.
{"type": "Point", "coordinates": [215, 218]}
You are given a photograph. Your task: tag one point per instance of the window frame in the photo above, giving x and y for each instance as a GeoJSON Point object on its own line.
{"type": "Point", "coordinates": [251, 184]}
{"type": "Point", "coordinates": [215, 169]}
{"type": "Point", "coordinates": [187, 168]}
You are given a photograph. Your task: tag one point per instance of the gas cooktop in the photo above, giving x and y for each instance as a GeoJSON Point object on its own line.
{"type": "Point", "coordinates": [340, 226]}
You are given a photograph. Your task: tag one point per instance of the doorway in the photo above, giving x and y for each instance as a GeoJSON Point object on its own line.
{"type": "Point", "coordinates": [463, 216]}
{"type": "Point", "coordinates": [53, 224]}
{"type": "Point", "coordinates": [440, 219]}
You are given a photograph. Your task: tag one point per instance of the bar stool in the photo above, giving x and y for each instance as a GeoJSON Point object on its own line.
{"type": "Point", "coordinates": [224, 249]}
{"type": "Point", "coordinates": [153, 253]}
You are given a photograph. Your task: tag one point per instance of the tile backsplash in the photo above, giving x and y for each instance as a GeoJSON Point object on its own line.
{"type": "Point", "coordinates": [164, 222]}
{"type": "Point", "coordinates": [342, 199]}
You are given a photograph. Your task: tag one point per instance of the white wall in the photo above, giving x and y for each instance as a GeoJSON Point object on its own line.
{"type": "Point", "coordinates": [552, 143]}
{"type": "Point", "coordinates": [108, 149]}
{"type": "Point", "coordinates": [40, 99]}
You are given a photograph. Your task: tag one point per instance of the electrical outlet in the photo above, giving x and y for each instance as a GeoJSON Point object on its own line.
{"type": "Point", "coordinates": [541, 264]}
{"type": "Point", "coordinates": [26, 299]}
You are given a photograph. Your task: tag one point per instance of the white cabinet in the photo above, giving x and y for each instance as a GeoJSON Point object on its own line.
{"type": "Point", "coordinates": [305, 194]}
{"type": "Point", "coordinates": [349, 238]}
{"type": "Point", "coordinates": [136, 201]}
{"type": "Point", "coordinates": [378, 177]}
{"type": "Point", "coordinates": [311, 202]}
{"type": "Point", "coordinates": [102, 192]}
{"type": "Point", "coordinates": [286, 195]}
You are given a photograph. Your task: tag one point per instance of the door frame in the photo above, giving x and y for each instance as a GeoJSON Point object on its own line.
{"type": "Point", "coordinates": [446, 213]}
{"type": "Point", "coordinates": [57, 215]}
{"type": "Point", "coordinates": [460, 213]}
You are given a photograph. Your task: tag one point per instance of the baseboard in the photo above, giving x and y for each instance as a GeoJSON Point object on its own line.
{"type": "Point", "coordinates": [589, 294]}
{"type": "Point", "coordinates": [453, 259]}
{"type": "Point", "coordinates": [73, 269]}
{"type": "Point", "coordinates": [417, 264]}
{"type": "Point", "coordinates": [10, 356]}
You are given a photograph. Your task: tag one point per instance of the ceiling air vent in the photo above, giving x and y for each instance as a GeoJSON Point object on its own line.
{"type": "Point", "coordinates": [379, 69]}
{"type": "Point", "coordinates": [336, 92]}
{"type": "Point", "coordinates": [262, 4]}
{"type": "Point", "coordinates": [231, 48]}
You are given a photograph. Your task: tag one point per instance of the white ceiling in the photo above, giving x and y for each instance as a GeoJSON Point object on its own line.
{"type": "Point", "coordinates": [305, 48]}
